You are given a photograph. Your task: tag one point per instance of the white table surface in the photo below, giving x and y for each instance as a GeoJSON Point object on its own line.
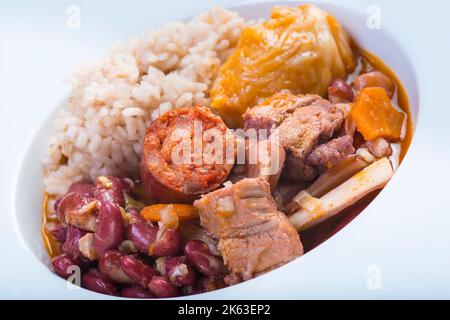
{"type": "Point", "coordinates": [403, 236]}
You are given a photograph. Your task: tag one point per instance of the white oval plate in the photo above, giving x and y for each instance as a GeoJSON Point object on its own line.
{"type": "Point", "coordinates": [384, 252]}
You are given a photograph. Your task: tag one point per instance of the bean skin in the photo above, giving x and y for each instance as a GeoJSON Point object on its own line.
{"type": "Point", "coordinates": [56, 205]}
{"type": "Point", "coordinates": [95, 281]}
{"type": "Point", "coordinates": [110, 228]}
{"type": "Point", "coordinates": [126, 185]}
{"type": "Point", "coordinates": [136, 293]}
{"type": "Point", "coordinates": [198, 255]}
{"type": "Point", "coordinates": [145, 236]}
{"type": "Point", "coordinates": [142, 234]}
{"type": "Point", "coordinates": [136, 270]}
{"type": "Point", "coordinates": [109, 266]}
{"type": "Point", "coordinates": [161, 287]}
{"type": "Point", "coordinates": [62, 263]}
{"type": "Point", "coordinates": [59, 234]}
{"type": "Point", "coordinates": [71, 245]}
{"type": "Point", "coordinates": [179, 272]}
{"type": "Point", "coordinates": [340, 92]}
{"type": "Point", "coordinates": [72, 209]}
{"type": "Point", "coordinates": [104, 195]}
{"type": "Point", "coordinates": [86, 188]}
{"type": "Point", "coordinates": [167, 244]}
{"type": "Point", "coordinates": [109, 189]}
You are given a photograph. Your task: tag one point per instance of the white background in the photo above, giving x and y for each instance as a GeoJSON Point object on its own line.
{"type": "Point", "coordinates": [405, 232]}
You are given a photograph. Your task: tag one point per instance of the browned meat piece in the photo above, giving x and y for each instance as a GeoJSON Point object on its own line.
{"type": "Point", "coordinates": [272, 111]}
{"type": "Point", "coordinates": [298, 170]}
{"type": "Point", "coordinates": [275, 244]}
{"type": "Point", "coordinates": [329, 154]}
{"type": "Point", "coordinates": [380, 148]}
{"type": "Point", "coordinates": [348, 128]}
{"type": "Point", "coordinates": [228, 211]}
{"type": "Point", "coordinates": [252, 232]}
{"type": "Point", "coordinates": [303, 122]}
{"type": "Point", "coordinates": [308, 126]}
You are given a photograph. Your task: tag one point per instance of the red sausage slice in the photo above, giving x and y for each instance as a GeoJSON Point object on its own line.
{"type": "Point", "coordinates": [178, 162]}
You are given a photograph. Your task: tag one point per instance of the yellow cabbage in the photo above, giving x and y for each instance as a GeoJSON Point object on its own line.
{"type": "Point", "coordinates": [301, 49]}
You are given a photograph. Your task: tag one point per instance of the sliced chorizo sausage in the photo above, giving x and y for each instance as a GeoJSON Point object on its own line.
{"type": "Point", "coordinates": [179, 159]}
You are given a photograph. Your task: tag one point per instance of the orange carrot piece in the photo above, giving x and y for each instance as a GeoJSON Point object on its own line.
{"type": "Point", "coordinates": [376, 117]}
{"type": "Point", "coordinates": [183, 211]}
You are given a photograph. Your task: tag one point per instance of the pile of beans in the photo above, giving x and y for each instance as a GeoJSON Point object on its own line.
{"type": "Point", "coordinates": [120, 253]}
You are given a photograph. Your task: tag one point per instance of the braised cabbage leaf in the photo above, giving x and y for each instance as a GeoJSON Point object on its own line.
{"type": "Point", "coordinates": [301, 49]}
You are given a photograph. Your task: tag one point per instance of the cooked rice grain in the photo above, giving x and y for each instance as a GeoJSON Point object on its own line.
{"type": "Point", "coordinates": [112, 102]}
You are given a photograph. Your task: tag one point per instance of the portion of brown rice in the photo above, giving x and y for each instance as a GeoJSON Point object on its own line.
{"type": "Point", "coordinates": [112, 102]}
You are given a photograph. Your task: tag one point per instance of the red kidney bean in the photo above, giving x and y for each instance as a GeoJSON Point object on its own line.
{"type": "Point", "coordinates": [340, 92]}
{"type": "Point", "coordinates": [140, 232]}
{"type": "Point", "coordinates": [109, 189]}
{"type": "Point", "coordinates": [110, 228]}
{"type": "Point", "coordinates": [138, 271]}
{"type": "Point", "coordinates": [126, 185]}
{"type": "Point", "coordinates": [208, 283]}
{"type": "Point", "coordinates": [95, 281]}
{"type": "Point", "coordinates": [161, 287]}
{"type": "Point", "coordinates": [86, 188]}
{"type": "Point", "coordinates": [62, 263]}
{"type": "Point", "coordinates": [374, 79]}
{"type": "Point", "coordinates": [198, 255]}
{"type": "Point", "coordinates": [73, 205]}
{"type": "Point", "coordinates": [136, 292]}
{"type": "Point", "coordinates": [179, 272]}
{"type": "Point", "coordinates": [59, 234]}
{"type": "Point", "coordinates": [71, 245]}
{"type": "Point", "coordinates": [104, 195]}
{"type": "Point", "coordinates": [109, 265]}
{"type": "Point", "coordinates": [167, 243]}
{"type": "Point", "coordinates": [145, 236]}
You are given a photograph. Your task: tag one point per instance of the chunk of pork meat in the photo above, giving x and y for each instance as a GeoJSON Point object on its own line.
{"type": "Point", "coordinates": [271, 112]}
{"type": "Point", "coordinates": [254, 236]}
{"type": "Point", "coordinates": [329, 154]}
{"type": "Point", "coordinates": [303, 123]}
{"type": "Point", "coordinates": [301, 132]}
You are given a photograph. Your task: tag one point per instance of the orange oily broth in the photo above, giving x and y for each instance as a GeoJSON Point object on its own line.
{"type": "Point", "coordinates": [52, 246]}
